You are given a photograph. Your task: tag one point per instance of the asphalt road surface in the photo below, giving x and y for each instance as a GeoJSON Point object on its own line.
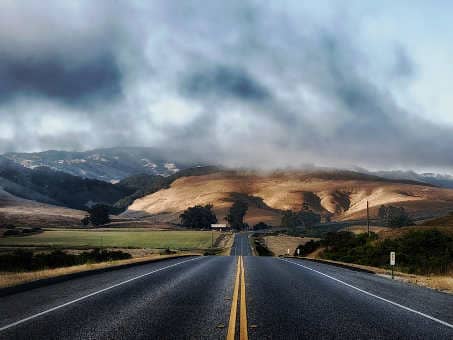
{"type": "Point", "coordinates": [218, 297]}
{"type": "Point", "coordinates": [241, 245]}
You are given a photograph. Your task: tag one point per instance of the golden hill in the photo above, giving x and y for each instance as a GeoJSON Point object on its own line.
{"type": "Point", "coordinates": [341, 194]}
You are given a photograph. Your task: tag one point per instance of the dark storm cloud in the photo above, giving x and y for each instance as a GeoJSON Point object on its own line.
{"type": "Point", "coordinates": [54, 77]}
{"type": "Point", "coordinates": [223, 81]}
{"type": "Point", "coordinates": [239, 83]}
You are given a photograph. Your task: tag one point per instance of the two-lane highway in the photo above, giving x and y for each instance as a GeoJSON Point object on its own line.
{"type": "Point", "coordinates": [241, 245]}
{"type": "Point", "coordinates": [215, 297]}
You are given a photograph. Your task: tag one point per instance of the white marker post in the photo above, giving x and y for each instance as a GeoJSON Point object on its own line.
{"type": "Point", "coordinates": [298, 251]}
{"type": "Point", "coordinates": [392, 261]}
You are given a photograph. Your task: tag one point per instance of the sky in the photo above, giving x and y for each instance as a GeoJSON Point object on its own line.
{"type": "Point", "coordinates": [266, 84]}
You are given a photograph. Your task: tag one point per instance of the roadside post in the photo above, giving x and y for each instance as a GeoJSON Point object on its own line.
{"type": "Point", "coordinates": [392, 261]}
{"type": "Point", "coordinates": [288, 251]}
{"type": "Point", "coordinates": [298, 251]}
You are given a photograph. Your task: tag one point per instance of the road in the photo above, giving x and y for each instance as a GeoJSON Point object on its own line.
{"type": "Point", "coordinates": [218, 297]}
{"type": "Point", "coordinates": [241, 245]}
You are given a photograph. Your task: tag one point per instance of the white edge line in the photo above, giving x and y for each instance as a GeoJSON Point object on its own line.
{"type": "Point", "coordinates": [34, 316]}
{"type": "Point", "coordinates": [373, 295]}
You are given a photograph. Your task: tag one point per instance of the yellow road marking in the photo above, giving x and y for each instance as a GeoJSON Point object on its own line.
{"type": "Point", "coordinates": [243, 330]}
{"type": "Point", "coordinates": [234, 305]}
{"type": "Point", "coordinates": [238, 294]}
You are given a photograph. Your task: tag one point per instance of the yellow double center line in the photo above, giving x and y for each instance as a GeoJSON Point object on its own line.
{"type": "Point", "coordinates": [238, 285]}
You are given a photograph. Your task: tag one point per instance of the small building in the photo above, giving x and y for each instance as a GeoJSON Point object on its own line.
{"type": "Point", "coordinates": [220, 227]}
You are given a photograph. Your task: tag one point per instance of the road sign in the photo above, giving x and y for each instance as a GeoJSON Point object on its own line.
{"type": "Point", "coordinates": [392, 258]}
{"type": "Point", "coordinates": [392, 261]}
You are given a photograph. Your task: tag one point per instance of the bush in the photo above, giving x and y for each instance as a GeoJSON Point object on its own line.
{"type": "Point", "coordinates": [261, 226]}
{"type": "Point", "coordinates": [417, 252]}
{"type": "Point", "coordinates": [11, 232]}
{"type": "Point", "coordinates": [307, 248]}
{"type": "Point", "coordinates": [22, 260]}
{"type": "Point", "coordinates": [261, 249]}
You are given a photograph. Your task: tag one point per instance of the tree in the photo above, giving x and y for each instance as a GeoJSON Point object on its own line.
{"type": "Point", "coordinates": [99, 214]}
{"type": "Point", "coordinates": [260, 226]}
{"type": "Point", "coordinates": [85, 221]}
{"type": "Point", "coordinates": [304, 218]}
{"type": "Point", "coordinates": [394, 217]}
{"type": "Point", "coordinates": [198, 217]}
{"type": "Point", "coordinates": [236, 215]}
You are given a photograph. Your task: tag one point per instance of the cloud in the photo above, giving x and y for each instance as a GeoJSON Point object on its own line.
{"type": "Point", "coordinates": [55, 78]}
{"type": "Point", "coordinates": [223, 81]}
{"type": "Point", "coordinates": [237, 83]}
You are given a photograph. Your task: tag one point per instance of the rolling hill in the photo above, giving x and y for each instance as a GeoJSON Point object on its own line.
{"type": "Point", "coordinates": [45, 185]}
{"type": "Point", "coordinates": [339, 194]}
{"type": "Point", "coordinates": [20, 212]}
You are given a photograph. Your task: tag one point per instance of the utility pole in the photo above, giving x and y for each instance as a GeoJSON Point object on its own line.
{"type": "Point", "coordinates": [368, 218]}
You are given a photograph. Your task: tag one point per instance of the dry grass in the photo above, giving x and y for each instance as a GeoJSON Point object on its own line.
{"type": "Point", "coordinates": [343, 195]}
{"type": "Point", "coordinates": [399, 232]}
{"type": "Point", "coordinates": [8, 279]}
{"type": "Point", "coordinates": [280, 244]}
{"type": "Point", "coordinates": [439, 282]}
{"type": "Point", "coordinates": [360, 229]}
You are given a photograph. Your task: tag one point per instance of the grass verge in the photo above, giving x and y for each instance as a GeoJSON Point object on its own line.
{"type": "Point", "coordinates": [8, 279]}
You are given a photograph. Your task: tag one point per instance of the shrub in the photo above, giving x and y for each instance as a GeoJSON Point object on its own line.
{"type": "Point", "coordinates": [11, 232]}
{"type": "Point", "coordinates": [307, 248]}
{"type": "Point", "coordinates": [418, 252]}
{"type": "Point", "coordinates": [260, 226]}
{"type": "Point", "coordinates": [22, 260]}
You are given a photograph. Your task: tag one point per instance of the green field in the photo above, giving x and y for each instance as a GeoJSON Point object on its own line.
{"type": "Point", "coordinates": [114, 238]}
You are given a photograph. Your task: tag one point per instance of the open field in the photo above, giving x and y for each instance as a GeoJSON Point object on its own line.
{"type": "Point", "coordinates": [124, 238]}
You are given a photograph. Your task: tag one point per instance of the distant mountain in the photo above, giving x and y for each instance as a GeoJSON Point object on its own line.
{"type": "Point", "coordinates": [46, 185]}
{"type": "Point", "coordinates": [440, 180]}
{"type": "Point", "coordinates": [110, 165]}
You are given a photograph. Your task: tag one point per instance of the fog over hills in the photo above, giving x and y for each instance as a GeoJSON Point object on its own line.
{"type": "Point", "coordinates": [152, 183]}
{"type": "Point", "coordinates": [111, 165]}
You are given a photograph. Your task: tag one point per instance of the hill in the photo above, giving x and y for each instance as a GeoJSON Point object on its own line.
{"type": "Point", "coordinates": [144, 184]}
{"type": "Point", "coordinates": [25, 213]}
{"type": "Point", "coordinates": [110, 165]}
{"type": "Point", "coordinates": [45, 185]}
{"type": "Point", "coordinates": [440, 180]}
{"type": "Point", "coordinates": [442, 221]}
{"type": "Point", "coordinates": [339, 194]}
